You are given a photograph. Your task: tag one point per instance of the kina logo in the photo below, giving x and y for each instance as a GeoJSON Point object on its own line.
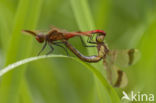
{"type": "Point", "coordinates": [137, 97]}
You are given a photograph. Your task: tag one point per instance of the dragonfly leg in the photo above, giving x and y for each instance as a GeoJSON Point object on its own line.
{"type": "Point", "coordinates": [52, 49]}
{"type": "Point", "coordinates": [61, 47]}
{"type": "Point", "coordinates": [42, 48]}
{"type": "Point", "coordinates": [89, 40]}
{"type": "Point", "coordinates": [84, 44]}
{"type": "Point", "coordinates": [58, 42]}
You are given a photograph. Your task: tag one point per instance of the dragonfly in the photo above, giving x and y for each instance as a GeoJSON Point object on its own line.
{"type": "Point", "coordinates": [113, 60]}
{"type": "Point", "coordinates": [55, 36]}
{"type": "Point", "coordinates": [101, 47]}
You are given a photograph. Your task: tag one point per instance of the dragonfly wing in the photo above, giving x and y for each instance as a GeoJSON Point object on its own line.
{"type": "Point", "coordinates": [127, 57]}
{"type": "Point", "coordinates": [121, 79]}
{"type": "Point", "coordinates": [115, 76]}
{"type": "Point", "coordinates": [116, 59]}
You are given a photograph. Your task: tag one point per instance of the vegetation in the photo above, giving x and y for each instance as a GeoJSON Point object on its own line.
{"type": "Point", "coordinates": [128, 24]}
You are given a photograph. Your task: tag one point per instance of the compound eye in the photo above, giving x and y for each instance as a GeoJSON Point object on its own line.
{"type": "Point", "coordinates": [40, 38]}
{"type": "Point", "coordinates": [100, 38]}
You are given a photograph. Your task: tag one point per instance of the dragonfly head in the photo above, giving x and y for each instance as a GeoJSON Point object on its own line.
{"type": "Point", "coordinates": [100, 38]}
{"type": "Point", "coordinates": [40, 38]}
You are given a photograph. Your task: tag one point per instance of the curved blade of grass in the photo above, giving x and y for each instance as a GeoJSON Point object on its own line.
{"type": "Point", "coordinates": [21, 62]}
{"type": "Point", "coordinates": [27, 60]}
{"type": "Point", "coordinates": [85, 22]}
{"type": "Point", "coordinates": [111, 91]}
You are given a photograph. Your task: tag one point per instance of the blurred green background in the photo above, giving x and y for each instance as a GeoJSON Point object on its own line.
{"type": "Point", "coordinates": [128, 23]}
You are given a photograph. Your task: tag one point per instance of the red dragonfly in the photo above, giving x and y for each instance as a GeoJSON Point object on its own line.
{"type": "Point", "coordinates": [112, 60]}
{"type": "Point", "coordinates": [55, 35]}
{"type": "Point", "coordinates": [101, 48]}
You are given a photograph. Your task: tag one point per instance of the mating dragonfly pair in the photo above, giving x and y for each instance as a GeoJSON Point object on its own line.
{"type": "Point", "coordinates": [112, 59]}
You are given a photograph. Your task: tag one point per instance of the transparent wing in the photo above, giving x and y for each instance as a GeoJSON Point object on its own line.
{"type": "Point", "coordinates": [124, 58]}
{"type": "Point", "coordinates": [115, 61]}
{"type": "Point", "coordinates": [115, 76]}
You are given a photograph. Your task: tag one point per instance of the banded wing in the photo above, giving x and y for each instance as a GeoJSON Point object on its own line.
{"type": "Point", "coordinates": [126, 57]}
{"type": "Point", "coordinates": [115, 60]}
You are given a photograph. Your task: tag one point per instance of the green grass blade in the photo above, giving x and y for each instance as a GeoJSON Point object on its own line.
{"type": "Point", "coordinates": [28, 10]}
{"type": "Point", "coordinates": [146, 64]}
{"type": "Point", "coordinates": [27, 60]}
{"type": "Point", "coordinates": [6, 23]}
{"type": "Point", "coordinates": [82, 14]}
{"type": "Point", "coordinates": [25, 93]}
{"type": "Point", "coordinates": [85, 22]}
{"type": "Point", "coordinates": [21, 62]}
